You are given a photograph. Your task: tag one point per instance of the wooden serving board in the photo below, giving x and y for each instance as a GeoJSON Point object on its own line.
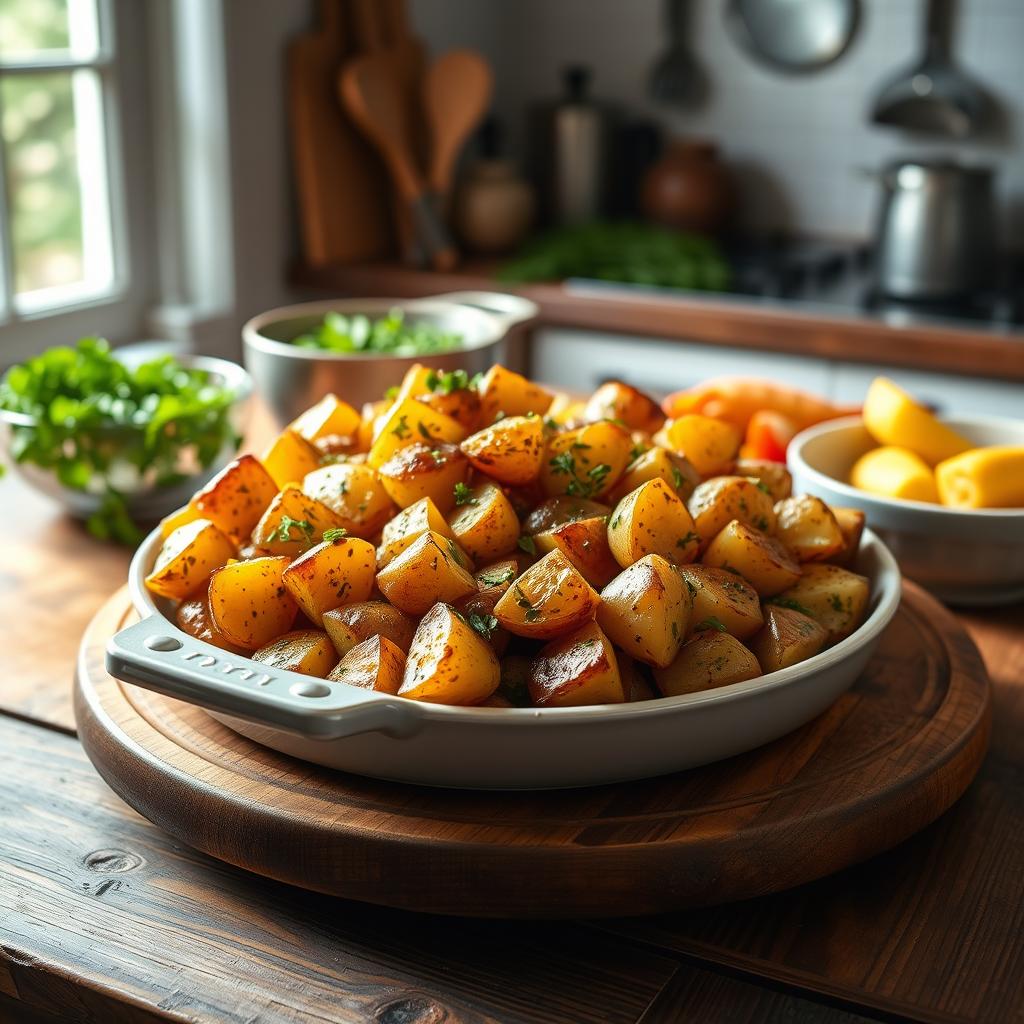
{"type": "Point", "coordinates": [888, 758]}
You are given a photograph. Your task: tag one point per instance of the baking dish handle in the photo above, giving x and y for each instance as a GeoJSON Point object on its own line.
{"type": "Point", "coordinates": [158, 656]}
{"type": "Point", "coordinates": [508, 309]}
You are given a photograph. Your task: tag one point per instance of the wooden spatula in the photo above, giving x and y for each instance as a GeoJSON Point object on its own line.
{"type": "Point", "coordinates": [372, 92]}
{"type": "Point", "coordinates": [456, 94]}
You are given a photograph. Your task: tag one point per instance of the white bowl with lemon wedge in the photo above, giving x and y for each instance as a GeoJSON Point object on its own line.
{"type": "Point", "coordinates": [946, 494]}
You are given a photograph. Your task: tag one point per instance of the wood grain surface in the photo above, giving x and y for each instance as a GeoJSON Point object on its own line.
{"type": "Point", "coordinates": [888, 758]}
{"type": "Point", "coordinates": [714, 320]}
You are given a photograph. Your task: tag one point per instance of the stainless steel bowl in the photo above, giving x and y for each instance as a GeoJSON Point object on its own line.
{"type": "Point", "coordinates": [145, 501]}
{"type": "Point", "coordinates": [963, 557]}
{"type": "Point", "coordinates": [291, 379]}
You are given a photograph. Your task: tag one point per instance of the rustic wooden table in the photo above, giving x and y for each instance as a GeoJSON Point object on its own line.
{"type": "Point", "coordinates": [105, 917]}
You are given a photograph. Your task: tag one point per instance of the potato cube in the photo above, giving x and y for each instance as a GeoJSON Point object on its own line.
{"type": "Point", "coordinates": [549, 599]}
{"type": "Point", "coordinates": [773, 475]}
{"type": "Point", "coordinates": [330, 417]}
{"type": "Point", "coordinates": [716, 502]}
{"type": "Point", "coordinates": [555, 512]}
{"type": "Point", "coordinates": [646, 610]}
{"type": "Point", "coordinates": [290, 458]}
{"type": "Point", "coordinates": [787, 638]}
{"type": "Point", "coordinates": [369, 416]}
{"type": "Point", "coordinates": [586, 462]}
{"type": "Point", "coordinates": [426, 572]}
{"type": "Point", "coordinates": [851, 525]}
{"type": "Point", "coordinates": [293, 523]}
{"type": "Point", "coordinates": [249, 602]}
{"type": "Point", "coordinates": [895, 473]}
{"type": "Point", "coordinates": [615, 400]}
{"type": "Point", "coordinates": [484, 522]}
{"type": "Point", "coordinates": [722, 601]}
{"type": "Point", "coordinates": [710, 660]}
{"type": "Point", "coordinates": [374, 664]}
{"type": "Point", "coordinates": [509, 393]}
{"type": "Point", "coordinates": [335, 572]}
{"type": "Point", "coordinates": [308, 651]}
{"type": "Point", "coordinates": [425, 471]}
{"type": "Point", "coordinates": [585, 543]}
{"type": "Point", "coordinates": [834, 597]}
{"type": "Point", "coordinates": [236, 498]}
{"type": "Point", "coordinates": [351, 624]}
{"type": "Point", "coordinates": [762, 561]}
{"type": "Point", "coordinates": [194, 618]}
{"type": "Point", "coordinates": [449, 662]}
{"type": "Point", "coordinates": [576, 670]}
{"type": "Point", "coordinates": [411, 422]}
{"type": "Point", "coordinates": [711, 445]}
{"type": "Point", "coordinates": [658, 463]}
{"type": "Point", "coordinates": [355, 494]}
{"type": "Point", "coordinates": [419, 518]}
{"type": "Point", "coordinates": [511, 450]}
{"type": "Point", "coordinates": [808, 528]}
{"type": "Point", "coordinates": [652, 520]}
{"type": "Point", "coordinates": [186, 559]}
{"type": "Point", "coordinates": [635, 684]}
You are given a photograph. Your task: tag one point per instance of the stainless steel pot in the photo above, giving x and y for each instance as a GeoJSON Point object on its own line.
{"type": "Point", "coordinates": [936, 231]}
{"type": "Point", "coordinates": [290, 379]}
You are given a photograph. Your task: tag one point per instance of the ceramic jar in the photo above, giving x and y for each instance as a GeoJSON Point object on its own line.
{"type": "Point", "coordinates": [688, 188]}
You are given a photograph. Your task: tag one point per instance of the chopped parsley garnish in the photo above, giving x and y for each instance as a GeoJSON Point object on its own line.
{"type": "Point", "coordinates": [688, 539]}
{"type": "Point", "coordinates": [283, 531]}
{"type": "Point", "coordinates": [532, 612]}
{"type": "Point", "coordinates": [496, 578]}
{"type": "Point", "coordinates": [464, 495]}
{"type": "Point", "coordinates": [760, 485]}
{"type": "Point", "coordinates": [485, 625]}
{"type": "Point", "coordinates": [335, 533]}
{"type": "Point", "coordinates": [401, 428]}
{"type": "Point", "coordinates": [636, 451]}
{"type": "Point", "coordinates": [424, 432]}
{"type": "Point", "coordinates": [789, 602]}
{"type": "Point", "coordinates": [677, 477]}
{"type": "Point", "coordinates": [445, 383]}
{"type": "Point", "coordinates": [456, 552]}
{"type": "Point", "coordinates": [527, 544]}
{"type": "Point", "coordinates": [563, 463]}
{"type": "Point", "coordinates": [711, 623]}
{"type": "Point", "coordinates": [392, 393]}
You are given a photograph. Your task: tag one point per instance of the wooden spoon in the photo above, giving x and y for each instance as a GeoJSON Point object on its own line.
{"type": "Point", "coordinates": [456, 94]}
{"type": "Point", "coordinates": [371, 90]}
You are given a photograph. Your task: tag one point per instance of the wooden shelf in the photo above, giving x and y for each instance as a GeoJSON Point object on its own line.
{"type": "Point", "coordinates": [715, 320]}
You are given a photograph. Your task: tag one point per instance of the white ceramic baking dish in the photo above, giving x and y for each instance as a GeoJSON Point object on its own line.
{"type": "Point", "coordinates": [389, 737]}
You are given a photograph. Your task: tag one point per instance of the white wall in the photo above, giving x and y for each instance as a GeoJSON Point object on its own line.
{"type": "Point", "coordinates": [797, 142]}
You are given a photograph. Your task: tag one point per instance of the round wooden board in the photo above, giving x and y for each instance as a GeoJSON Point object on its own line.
{"type": "Point", "coordinates": [888, 758]}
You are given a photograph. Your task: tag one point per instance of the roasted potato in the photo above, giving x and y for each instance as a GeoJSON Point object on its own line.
{"type": "Point", "coordinates": [293, 523]}
{"type": "Point", "coordinates": [478, 610]}
{"type": "Point", "coordinates": [851, 526]}
{"type": "Point", "coordinates": [412, 522]}
{"type": "Point", "coordinates": [335, 572]}
{"type": "Point", "coordinates": [773, 475]}
{"type": "Point", "coordinates": [186, 559]}
{"type": "Point", "coordinates": [787, 638]}
{"type": "Point", "coordinates": [834, 597]}
{"type": "Point", "coordinates": [461, 404]}
{"type": "Point", "coordinates": [549, 599]}
{"type": "Point", "coordinates": [510, 394]}
{"type": "Point", "coordinates": [586, 462]}
{"type": "Point", "coordinates": [722, 601]}
{"type": "Point", "coordinates": [762, 561]}
{"type": "Point", "coordinates": [578, 669]}
{"type": "Point", "coordinates": [499, 575]}
{"type": "Point", "coordinates": [236, 497]}
{"type": "Point", "coordinates": [308, 651]}
{"type": "Point", "coordinates": [370, 414]}
{"type": "Point", "coordinates": [511, 450]}
{"type": "Point", "coordinates": [290, 458]}
{"type": "Point", "coordinates": [194, 618]}
{"type": "Point", "coordinates": [635, 684]}
{"type": "Point", "coordinates": [249, 603]}
{"type": "Point", "coordinates": [330, 417]}
{"type": "Point", "coordinates": [652, 520]}
{"type": "Point", "coordinates": [585, 543]}
{"type": "Point", "coordinates": [374, 664]}
{"type": "Point", "coordinates": [555, 512]}
{"type": "Point", "coordinates": [711, 659]}
{"type": "Point", "coordinates": [716, 502]}
{"type": "Point", "coordinates": [411, 422]}
{"type": "Point", "coordinates": [710, 445]}
{"type": "Point", "coordinates": [808, 528]}
{"type": "Point", "coordinates": [449, 662]}
{"type": "Point", "coordinates": [425, 471]}
{"type": "Point", "coordinates": [431, 569]}
{"type": "Point", "coordinates": [658, 463]}
{"type": "Point", "coordinates": [351, 624]}
{"type": "Point", "coordinates": [484, 522]}
{"type": "Point", "coordinates": [615, 400]}
{"type": "Point", "coordinates": [646, 610]}
{"type": "Point", "coordinates": [355, 494]}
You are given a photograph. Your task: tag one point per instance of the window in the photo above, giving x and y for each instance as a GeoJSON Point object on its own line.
{"type": "Point", "coordinates": [56, 225]}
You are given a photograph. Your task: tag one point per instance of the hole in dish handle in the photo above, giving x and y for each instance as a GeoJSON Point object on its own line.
{"type": "Point", "coordinates": [158, 656]}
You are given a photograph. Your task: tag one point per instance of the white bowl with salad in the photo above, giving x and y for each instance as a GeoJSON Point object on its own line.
{"type": "Point", "coordinates": [358, 348]}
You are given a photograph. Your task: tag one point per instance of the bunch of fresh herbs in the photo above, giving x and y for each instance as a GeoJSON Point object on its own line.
{"type": "Point", "coordinates": [388, 335]}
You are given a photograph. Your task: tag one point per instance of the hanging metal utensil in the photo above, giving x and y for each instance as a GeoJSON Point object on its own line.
{"type": "Point", "coordinates": [677, 79]}
{"type": "Point", "coordinates": [794, 35]}
{"type": "Point", "coordinates": [933, 95]}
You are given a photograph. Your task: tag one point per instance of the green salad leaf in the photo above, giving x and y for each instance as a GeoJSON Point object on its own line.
{"type": "Point", "coordinates": [107, 428]}
{"type": "Point", "coordinates": [389, 335]}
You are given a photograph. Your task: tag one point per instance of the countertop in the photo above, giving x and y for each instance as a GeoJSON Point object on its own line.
{"type": "Point", "coordinates": [824, 330]}
{"type": "Point", "coordinates": [104, 917]}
